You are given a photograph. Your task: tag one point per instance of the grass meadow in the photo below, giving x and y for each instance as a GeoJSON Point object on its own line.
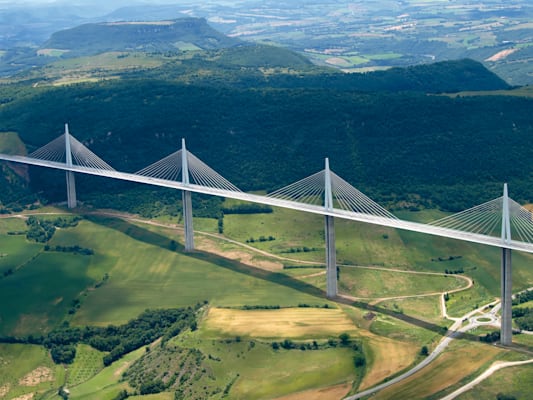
{"type": "Point", "coordinates": [396, 276]}
{"type": "Point", "coordinates": [10, 143]}
{"type": "Point", "coordinates": [512, 381]}
{"type": "Point", "coordinates": [260, 372]}
{"type": "Point", "coordinates": [460, 363]}
{"type": "Point", "coordinates": [26, 369]}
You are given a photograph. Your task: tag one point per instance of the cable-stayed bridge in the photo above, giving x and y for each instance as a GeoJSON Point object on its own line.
{"type": "Point", "coordinates": [499, 223]}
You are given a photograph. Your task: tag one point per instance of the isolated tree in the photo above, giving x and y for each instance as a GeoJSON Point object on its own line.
{"type": "Point", "coordinates": [345, 338]}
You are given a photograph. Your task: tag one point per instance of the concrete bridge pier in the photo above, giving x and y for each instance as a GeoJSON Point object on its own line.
{"type": "Point", "coordinates": [187, 220]}
{"type": "Point", "coordinates": [186, 200]}
{"type": "Point", "coordinates": [506, 329]}
{"type": "Point", "coordinates": [71, 181]}
{"type": "Point", "coordinates": [331, 259]}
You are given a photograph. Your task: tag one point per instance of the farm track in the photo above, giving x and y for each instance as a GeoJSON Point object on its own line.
{"type": "Point", "coordinates": [453, 332]}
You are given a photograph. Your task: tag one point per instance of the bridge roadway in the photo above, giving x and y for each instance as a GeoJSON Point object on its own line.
{"type": "Point", "coordinates": [254, 198]}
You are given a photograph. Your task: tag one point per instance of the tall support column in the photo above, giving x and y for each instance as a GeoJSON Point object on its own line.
{"type": "Point", "coordinates": [71, 182]}
{"type": "Point", "coordinates": [331, 257]}
{"type": "Point", "coordinates": [187, 201]}
{"type": "Point", "coordinates": [506, 330]}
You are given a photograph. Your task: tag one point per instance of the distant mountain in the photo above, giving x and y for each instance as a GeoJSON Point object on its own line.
{"type": "Point", "coordinates": [23, 26]}
{"type": "Point", "coordinates": [145, 36]}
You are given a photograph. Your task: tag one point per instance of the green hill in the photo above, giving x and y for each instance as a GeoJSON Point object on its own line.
{"type": "Point", "coordinates": [139, 36]}
{"type": "Point", "coordinates": [405, 149]}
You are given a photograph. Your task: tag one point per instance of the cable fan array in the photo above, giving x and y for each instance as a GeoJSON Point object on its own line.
{"type": "Point", "coordinates": [81, 155]}
{"type": "Point", "coordinates": [170, 168]}
{"type": "Point", "coordinates": [486, 219]}
{"type": "Point", "coordinates": [311, 190]}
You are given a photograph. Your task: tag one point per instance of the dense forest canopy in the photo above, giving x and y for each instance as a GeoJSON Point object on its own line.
{"type": "Point", "coordinates": [400, 147]}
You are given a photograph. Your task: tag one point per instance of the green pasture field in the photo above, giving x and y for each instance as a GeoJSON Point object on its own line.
{"type": "Point", "coordinates": [28, 363]}
{"type": "Point", "coordinates": [292, 371]}
{"type": "Point", "coordinates": [88, 363]}
{"type": "Point", "coordinates": [528, 304]}
{"type": "Point", "coordinates": [15, 252]}
{"type": "Point", "coordinates": [108, 61]}
{"type": "Point", "coordinates": [137, 266]}
{"type": "Point", "coordinates": [304, 272]}
{"type": "Point", "coordinates": [36, 297]}
{"type": "Point", "coordinates": [357, 60]}
{"type": "Point", "coordinates": [106, 384]}
{"type": "Point", "coordinates": [362, 244]}
{"type": "Point", "coordinates": [10, 143]}
{"type": "Point", "coordinates": [462, 361]}
{"type": "Point", "coordinates": [378, 283]}
{"type": "Point", "coordinates": [262, 372]}
{"type": "Point", "coordinates": [524, 340]}
{"type": "Point", "coordinates": [51, 52]}
{"type": "Point", "coordinates": [205, 225]}
{"type": "Point", "coordinates": [384, 56]}
{"type": "Point", "coordinates": [426, 308]}
{"type": "Point", "coordinates": [416, 332]}
{"type": "Point", "coordinates": [91, 68]}
{"type": "Point", "coordinates": [12, 225]}
{"type": "Point", "coordinates": [144, 273]}
{"type": "Point", "coordinates": [186, 46]}
{"type": "Point", "coordinates": [512, 381]}
{"type": "Point", "coordinates": [291, 230]}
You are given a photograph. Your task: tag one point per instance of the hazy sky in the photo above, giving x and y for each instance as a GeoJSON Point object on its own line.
{"type": "Point", "coordinates": [106, 4]}
{"type": "Point", "coordinates": [84, 2]}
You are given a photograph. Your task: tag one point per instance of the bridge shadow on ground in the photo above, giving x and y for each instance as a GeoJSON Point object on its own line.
{"type": "Point", "coordinates": [146, 236]}
{"type": "Point", "coordinates": [441, 330]}
{"type": "Point", "coordinates": [155, 239]}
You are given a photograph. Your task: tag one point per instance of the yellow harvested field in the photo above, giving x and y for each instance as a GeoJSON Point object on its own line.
{"type": "Point", "coordinates": [327, 393]}
{"type": "Point", "coordinates": [389, 357]}
{"type": "Point", "coordinates": [283, 323]}
{"type": "Point", "coordinates": [448, 369]}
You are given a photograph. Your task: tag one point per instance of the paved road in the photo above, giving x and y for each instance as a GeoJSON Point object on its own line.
{"type": "Point", "coordinates": [454, 331]}
{"type": "Point", "coordinates": [493, 368]}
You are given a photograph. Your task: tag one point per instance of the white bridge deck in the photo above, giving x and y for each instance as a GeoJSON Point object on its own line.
{"type": "Point", "coordinates": [295, 205]}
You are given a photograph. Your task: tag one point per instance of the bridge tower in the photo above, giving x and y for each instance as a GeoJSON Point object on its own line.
{"type": "Point", "coordinates": [71, 182]}
{"type": "Point", "coordinates": [331, 257]}
{"type": "Point", "coordinates": [187, 201]}
{"type": "Point", "coordinates": [506, 330]}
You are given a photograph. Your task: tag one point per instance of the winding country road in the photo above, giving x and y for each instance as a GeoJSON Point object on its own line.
{"type": "Point", "coordinates": [493, 368]}
{"type": "Point", "coordinates": [454, 331]}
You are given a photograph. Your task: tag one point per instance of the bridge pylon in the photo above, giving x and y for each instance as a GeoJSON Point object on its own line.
{"type": "Point", "coordinates": [331, 256]}
{"type": "Point", "coordinates": [187, 201]}
{"type": "Point", "coordinates": [71, 181]}
{"type": "Point", "coordinates": [506, 329]}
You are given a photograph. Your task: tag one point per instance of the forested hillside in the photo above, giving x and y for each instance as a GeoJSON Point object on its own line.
{"type": "Point", "coordinates": [403, 148]}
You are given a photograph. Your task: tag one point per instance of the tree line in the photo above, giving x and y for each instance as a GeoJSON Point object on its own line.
{"type": "Point", "coordinates": [404, 149]}
{"type": "Point", "coordinates": [114, 340]}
